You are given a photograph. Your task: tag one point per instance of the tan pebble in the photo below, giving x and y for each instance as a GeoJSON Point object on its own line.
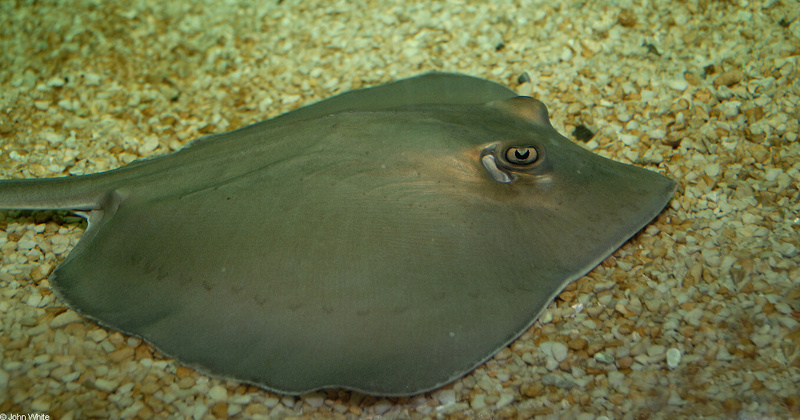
{"type": "Point", "coordinates": [555, 397]}
{"type": "Point", "coordinates": [623, 310]}
{"type": "Point", "coordinates": [626, 18]}
{"type": "Point", "coordinates": [756, 385]}
{"type": "Point", "coordinates": [77, 330]}
{"type": "Point", "coordinates": [594, 371]}
{"type": "Point", "coordinates": [116, 338]}
{"type": "Point", "coordinates": [145, 413]}
{"type": "Point", "coordinates": [505, 353]}
{"type": "Point", "coordinates": [768, 308]}
{"type": "Point", "coordinates": [594, 348]}
{"type": "Point", "coordinates": [793, 403]}
{"type": "Point", "coordinates": [659, 251]}
{"type": "Point", "coordinates": [748, 288]}
{"type": "Point", "coordinates": [625, 328]}
{"type": "Point", "coordinates": [149, 388]}
{"type": "Point", "coordinates": [625, 362]}
{"type": "Point", "coordinates": [704, 95]}
{"type": "Point", "coordinates": [220, 410]}
{"type": "Point", "coordinates": [532, 390]}
{"type": "Point", "coordinates": [143, 352]}
{"type": "Point", "coordinates": [729, 78]}
{"type": "Point", "coordinates": [40, 272]}
{"type": "Point", "coordinates": [122, 354]}
{"type": "Point", "coordinates": [754, 114]}
{"type": "Point", "coordinates": [617, 399]}
{"type": "Point", "coordinates": [186, 382]}
{"type": "Point", "coordinates": [732, 405]}
{"type": "Point", "coordinates": [183, 371]}
{"type": "Point", "coordinates": [578, 344]}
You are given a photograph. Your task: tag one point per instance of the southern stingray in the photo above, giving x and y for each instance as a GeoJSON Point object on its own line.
{"type": "Point", "coordinates": [387, 240]}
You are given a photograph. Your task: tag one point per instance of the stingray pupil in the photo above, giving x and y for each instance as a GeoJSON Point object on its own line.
{"type": "Point", "coordinates": [521, 155]}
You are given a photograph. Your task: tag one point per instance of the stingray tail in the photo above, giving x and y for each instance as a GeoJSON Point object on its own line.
{"type": "Point", "coordinates": [65, 193]}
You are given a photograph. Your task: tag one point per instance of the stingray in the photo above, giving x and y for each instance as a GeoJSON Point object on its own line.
{"type": "Point", "coordinates": [387, 240]}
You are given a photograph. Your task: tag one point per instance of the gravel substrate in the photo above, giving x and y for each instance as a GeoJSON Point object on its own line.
{"type": "Point", "coordinates": [698, 315]}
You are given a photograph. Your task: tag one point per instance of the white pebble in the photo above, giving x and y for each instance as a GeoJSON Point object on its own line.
{"type": "Point", "coordinates": [92, 79]}
{"type": "Point", "coordinates": [65, 319]}
{"type": "Point", "coordinates": [505, 399]}
{"type": "Point", "coordinates": [382, 406]}
{"type": "Point", "coordinates": [655, 350]}
{"type": "Point", "coordinates": [761, 340]}
{"type": "Point", "coordinates": [673, 358]}
{"type": "Point", "coordinates": [265, 104]}
{"type": "Point", "coordinates": [70, 377]}
{"type": "Point", "coordinates": [771, 174]}
{"type": "Point", "coordinates": [629, 139]}
{"type": "Point", "coordinates": [559, 351]}
{"type": "Point", "coordinates": [693, 317]}
{"type": "Point", "coordinates": [603, 357]}
{"type": "Point", "coordinates": [478, 402]}
{"type": "Point", "coordinates": [290, 99]}
{"type": "Point", "coordinates": [446, 396]}
{"type": "Point", "coordinates": [40, 404]}
{"type": "Point", "coordinates": [315, 400]}
{"type": "Point", "coordinates": [131, 411]}
{"type": "Point", "coordinates": [678, 84]}
{"type": "Point", "coordinates": [97, 335]}
{"type": "Point", "coordinates": [56, 81]}
{"type": "Point", "coordinates": [105, 385]}
{"type": "Point", "coordinates": [218, 393]}
{"type": "Point", "coordinates": [34, 300]}
{"type": "Point", "coordinates": [658, 133]}
{"type": "Point", "coordinates": [148, 146]}
{"type": "Point", "coordinates": [675, 398]}
{"type": "Point", "coordinates": [25, 244]}
{"type": "Point", "coordinates": [783, 308]}
{"type": "Point", "coordinates": [616, 378]}
{"type": "Point", "coordinates": [198, 411]}
{"type": "Point", "coordinates": [712, 169]}
{"type": "Point", "coordinates": [723, 354]}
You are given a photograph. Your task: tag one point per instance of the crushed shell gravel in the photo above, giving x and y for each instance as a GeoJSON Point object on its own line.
{"type": "Point", "coordinates": [698, 315]}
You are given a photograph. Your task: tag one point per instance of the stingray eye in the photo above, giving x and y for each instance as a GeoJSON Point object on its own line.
{"type": "Point", "coordinates": [521, 156]}
{"type": "Point", "coordinates": [506, 163]}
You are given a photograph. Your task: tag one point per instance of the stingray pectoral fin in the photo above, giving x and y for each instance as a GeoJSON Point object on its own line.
{"type": "Point", "coordinates": [524, 107]}
{"type": "Point", "coordinates": [431, 88]}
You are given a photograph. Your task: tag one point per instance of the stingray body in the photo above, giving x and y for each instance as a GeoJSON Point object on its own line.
{"type": "Point", "coordinates": [387, 240]}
